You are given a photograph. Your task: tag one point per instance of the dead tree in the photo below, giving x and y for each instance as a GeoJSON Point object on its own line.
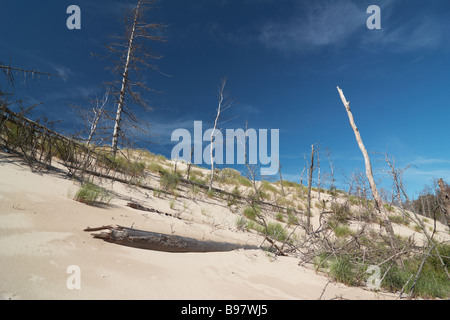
{"type": "Point", "coordinates": [223, 104]}
{"type": "Point", "coordinates": [376, 196]}
{"type": "Point", "coordinates": [98, 112]}
{"type": "Point", "coordinates": [310, 175]}
{"type": "Point", "coordinates": [251, 169]}
{"type": "Point", "coordinates": [319, 181]}
{"type": "Point", "coordinates": [132, 56]}
{"type": "Point", "coordinates": [397, 176]}
{"type": "Point", "coordinates": [188, 171]}
{"type": "Point", "coordinates": [445, 199]}
{"type": "Point", "coordinates": [9, 72]}
{"type": "Point", "coordinates": [281, 179]}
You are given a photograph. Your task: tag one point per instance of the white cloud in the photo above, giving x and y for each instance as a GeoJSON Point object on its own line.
{"type": "Point", "coordinates": [318, 24]}
{"type": "Point", "coordinates": [417, 34]}
{"type": "Point", "coordinates": [430, 161]}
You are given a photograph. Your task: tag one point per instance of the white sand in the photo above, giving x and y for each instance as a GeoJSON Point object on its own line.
{"type": "Point", "coordinates": [41, 235]}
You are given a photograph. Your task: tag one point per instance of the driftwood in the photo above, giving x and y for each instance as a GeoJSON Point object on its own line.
{"type": "Point", "coordinates": [140, 207]}
{"type": "Point", "coordinates": [161, 242]}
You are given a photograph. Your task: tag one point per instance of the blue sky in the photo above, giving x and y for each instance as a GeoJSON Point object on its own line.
{"type": "Point", "coordinates": [283, 60]}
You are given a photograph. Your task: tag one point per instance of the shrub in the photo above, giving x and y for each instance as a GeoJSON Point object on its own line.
{"type": "Point", "coordinates": [232, 176]}
{"type": "Point", "coordinates": [290, 184]}
{"type": "Point", "coordinates": [90, 193]}
{"type": "Point", "coordinates": [65, 151]}
{"type": "Point", "coordinates": [197, 176]}
{"type": "Point", "coordinates": [155, 167]}
{"type": "Point", "coordinates": [255, 226]}
{"type": "Point", "coordinates": [399, 220]}
{"type": "Point", "coordinates": [342, 212]}
{"type": "Point", "coordinates": [432, 282]}
{"type": "Point", "coordinates": [233, 199]}
{"type": "Point", "coordinates": [122, 164]}
{"type": "Point", "coordinates": [342, 231]}
{"type": "Point", "coordinates": [250, 213]}
{"type": "Point", "coordinates": [169, 181]}
{"type": "Point", "coordinates": [267, 186]}
{"type": "Point", "coordinates": [292, 218]}
{"type": "Point", "coordinates": [279, 217]}
{"type": "Point", "coordinates": [354, 200]}
{"type": "Point", "coordinates": [321, 260]}
{"type": "Point", "coordinates": [241, 223]}
{"type": "Point", "coordinates": [341, 270]}
{"type": "Point", "coordinates": [276, 231]}
{"type": "Point", "coordinates": [161, 158]}
{"type": "Point", "coordinates": [243, 181]}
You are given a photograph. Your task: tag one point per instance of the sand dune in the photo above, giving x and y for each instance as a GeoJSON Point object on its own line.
{"type": "Point", "coordinates": [41, 235]}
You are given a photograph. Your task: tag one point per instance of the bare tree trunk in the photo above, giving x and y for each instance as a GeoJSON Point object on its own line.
{"type": "Point", "coordinates": [98, 112]}
{"type": "Point", "coordinates": [331, 168]}
{"type": "Point", "coordinates": [281, 179]}
{"type": "Point", "coordinates": [213, 133]}
{"type": "Point", "coordinates": [423, 206]}
{"type": "Point", "coordinates": [445, 198]}
{"type": "Point", "coordinates": [251, 170]}
{"type": "Point", "coordinates": [369, 174]}
{"type": "Point", "coordinates": [190, 163]}
{"type": "Point", "coordinates": [301, 180]}
{"type": "Point", "coordinates": [308, 211]}
{"type": "Point", "coordinates": [318, 176]}
{"type": "Point", "coordinates": [115, 139]}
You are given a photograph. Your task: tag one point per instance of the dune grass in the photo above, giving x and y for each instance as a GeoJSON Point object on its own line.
{"type": "Point", "coordinates": [90, 194]}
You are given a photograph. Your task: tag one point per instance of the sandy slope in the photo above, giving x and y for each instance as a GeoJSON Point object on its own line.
{"type": "Point", "coordinates": [41, 235]}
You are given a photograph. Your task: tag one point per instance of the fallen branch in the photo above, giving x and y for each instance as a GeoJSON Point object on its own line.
{"type": "Point", "coordinates": [161, 242]}
{"type": "Point", "coordinates": [142, 208]}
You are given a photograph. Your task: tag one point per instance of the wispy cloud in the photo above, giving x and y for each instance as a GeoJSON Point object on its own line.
{"type": "Point", "coordinates": [430, 161]}
{"type": "Point", "coordinates": [417, 34]}
{"type": "Point", "coordinates": [71, 93]}
{"type": "Point", "coordinates": [318, 24]}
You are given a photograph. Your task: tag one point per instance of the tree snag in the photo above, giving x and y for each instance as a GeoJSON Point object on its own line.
{"type": "Point", "coordinates": [310, 173]}
{"type": "Point", "coordinates": [369, 174]}
{"type": "Point", "coordinates": [159, 241]}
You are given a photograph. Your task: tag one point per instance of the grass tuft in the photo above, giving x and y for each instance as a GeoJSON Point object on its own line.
{"type": "Point", "coordinates": [90, 193]}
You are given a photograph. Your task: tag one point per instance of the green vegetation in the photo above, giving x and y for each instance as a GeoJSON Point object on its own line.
{"type": "Point", "coordinates": [169, 181]}
{"type": "Point", "coordinates": [155, 167]}
{"type": "Point", "coordinates": [234, 198]}
{"type": "Point", "coordinates": [353, 200]}
{"type": "Point", "coordinates": [197, 176]}
{"type": "Point", "coordinates": [122, 164]}
{"type": "Point", "coordinates": [342, 213]}
{"type": "Point", "coordinates": [232, 177]}
{"type": "Point", "coordinates": [90, 193]}
{"type": "Point", "coordinates": [341, 269]}
{"type": "Point", "coordinates": [255, 226]}
{"type": "Point", "coordinates": [292, 218]}
{"type": "Point", "coordinates": [241, 223]}
{"type": "Point", "coordinates": [342, 231]}
{"type": "Point", "coordinates": [269, 187]}
{"type": "Point", "coordinates": [276, 231]}
{"type": "Point", "coordinates": [399, 220]}
{"type": "Point", "coordinates": [279, 216]}
{"type": "Point", "coordinates": [250, 213]}
{"type": "Point", "coordinates": [432, 281]}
